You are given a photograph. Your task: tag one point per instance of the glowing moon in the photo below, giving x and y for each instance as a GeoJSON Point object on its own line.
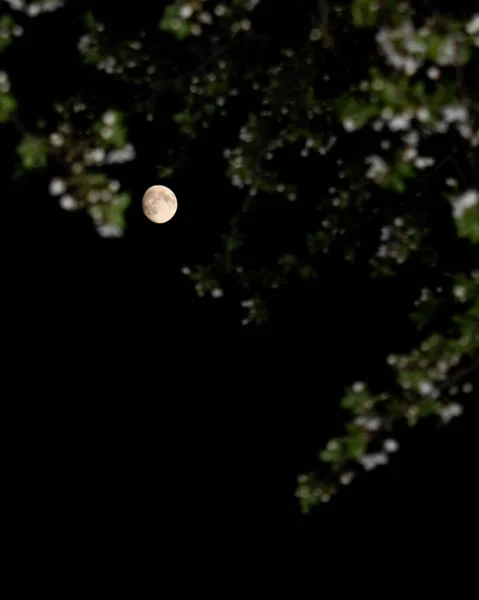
{"type": "Point", "coordinates": [159, 204]}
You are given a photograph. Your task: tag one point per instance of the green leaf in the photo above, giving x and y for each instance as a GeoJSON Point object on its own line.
{"type": "Point", "coordinates": [355, 402]}
{"type": "Point", "coordinates": [357, 445]}
{"type": "Point", "coordinates": [33, 153]}
{"type": "Point", "coordinates": [307, 272]}
{"type": "Point", "coordinates": [8, 105]}
{"type": "Point", "coordinates": [468, 225]}
{"type": "Point", "coordinates": [114, 215]}
{"type": "Point", "coordinates": [6, 26]}
{"type": "Point", "coordinates": [123, 200]}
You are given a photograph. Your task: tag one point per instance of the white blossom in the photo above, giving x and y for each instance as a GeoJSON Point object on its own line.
{"type": "Point", "coordinates": [34, 9]}
{"type": "Point", "coordinates": [423, 114]}
{"type": "Point", "coordinates": [57, 140]}
{"type": "Point", "coordinates": [378, 167]}
{"type": "Point", "coordinates": [16, 4]}
{"type": "Point", "coordinates": [121, 155]}
{"type": "Point", "coordinates": [400, 122]}
{"type": "Point", "coordinates": [67, 202]}
{"type": "Point", "coordinates": [109, 118]}
{"type": "Point", "coordinates": [114, 185]}
{"type": "Point", "coordinates": [433, 73]}
{"type": "Point", "coordinates": [346, 478]}
{"type": "Point", "coordinates": [447, 54]}
{"type": "Point", "coordinates": [206, 18]}
{"type": "Point", "coordinates": [95, 156]}
{"type": "Point", "coordinates": [217, 293]}
{"type": "Point", "coordinates": [455, 112]}
{"type": "Point", "coordinates": [186, 11]}
{"type": "Point", "coordinates": [106, 230]}
{"type": "Point", "coordinates": [410, 153]}
{"type": "Point", "coordinates": [426, 388]}
{"type": "Point", "coordinates": [467, 200]}
{"type": "Point", "coordinates": [247, 303]}
{"type": "Point", "coordinates": [349, 124]}
{"type": "Point", "coordinates": [473, 26]}
{"type": "Point", "coordinates": [4, 82]}
{"type": "Point", "coordinates": [391, 445]}
{"type": "Point", "coordinates": [369, 423]}
{"type": "Point", "coordinates": [196, 29]}
{"type": "Point", "coordinates": [460, 292]}
{"type": "Point", "coordinates": [358, 387]}
{"type": "Point", "coordinates": [57, 186]}
{"type": "Point", "coordinates": [371, 461]}
{"type": "Point", "coordinates": [449, 411]}
{"type": "Point", "coordinates": [220, 10]}
{"type": "Point", "coordinates": [422, 162]}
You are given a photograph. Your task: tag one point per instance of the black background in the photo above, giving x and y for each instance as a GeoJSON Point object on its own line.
{"type": "Point", "coordinates": [143, 415]}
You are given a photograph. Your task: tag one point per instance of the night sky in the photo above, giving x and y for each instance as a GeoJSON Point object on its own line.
{"type": "Point", "coordinates": [161, 417]}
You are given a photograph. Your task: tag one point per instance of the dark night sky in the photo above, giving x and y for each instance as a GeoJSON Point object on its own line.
{"type": "Point", "coordinates": [162, 417]}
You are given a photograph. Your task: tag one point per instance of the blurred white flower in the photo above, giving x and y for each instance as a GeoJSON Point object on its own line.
{"type": "Point", "coordinates": [186, 11]}
{"type": "Point", "coordinates": [109, 118]}
{"type": "Point", "coordinates": [410, 153]}
{"type": "Point", "coordinates": [121, 155]}
{"type": "Point", "coordinates": [57, 186]}
{"type": "Point", "coordinates": [220, 10]}
{"type": "Point", "coordinates": [378, 167]}
{"type": "Point", "coordinates": [460, 292]}
{"type": "Point", "coordinates": [106, 230]}
{"type": "Point", "coordinates": [196, 29]}
{"type": "Point", "coordinates": [449, 411]}
{"type": "Point", "coordinates": [106, 133]}
{"type": "Point", "coordinates": [455, 112]}
{"type": "Point", "coordinates": [426, 388]}
{"type": "Point", "coordinates": [391, 445]}
{"type": "Point", "coordinates": [205, 17]}
{"type": "Point", "coordinates": [67, 202]}
{"type": "Point", "coordinates": [369, 423]}
{"type": "Point", "coordinates": [473, 26]}
{"type": "Point", "coordinates": [400, 122]}
{"type": "Point", "coordinates": [422, 162]}
{"type": "Point", "coordinates": [371, 461]}
{"type": "Point", "coordinates": [16, 4]}
{"type": "Point", "coordinates": [346, 478]}
{"type": "Point", "coordinates": [247, 303]}
{"type": "Point", "coordinates": [34, 9]}
{"type": "Point", "coordinates": [57, 140]}
{"type": "Point", "coordinates": [423, 114]}
{"type": "Point", "coordinates": [95, 156]}
{"type": "Point", "coordinates": [464, 202]}
{"type": "Point", "coordinates": [349, 124]}
{"type": "Point", "coordinates": [217, 293]}
{"type": "Point", "coordinates": [114, 185]}
{"type": "Point", "coordinates": [358, 387]}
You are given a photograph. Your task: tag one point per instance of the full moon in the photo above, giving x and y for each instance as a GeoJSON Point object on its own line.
{"type": "Point", "coordinates": [159, 204]}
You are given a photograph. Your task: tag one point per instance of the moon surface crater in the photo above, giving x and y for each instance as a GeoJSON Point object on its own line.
{"type": "Point", "coordinates": [159, 204]}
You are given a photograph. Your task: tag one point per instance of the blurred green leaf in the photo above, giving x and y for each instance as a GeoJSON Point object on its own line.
{"type": "Point", "coordinates": [8, 105]}
{"type": "Point", "coordinates": [33, 152]}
